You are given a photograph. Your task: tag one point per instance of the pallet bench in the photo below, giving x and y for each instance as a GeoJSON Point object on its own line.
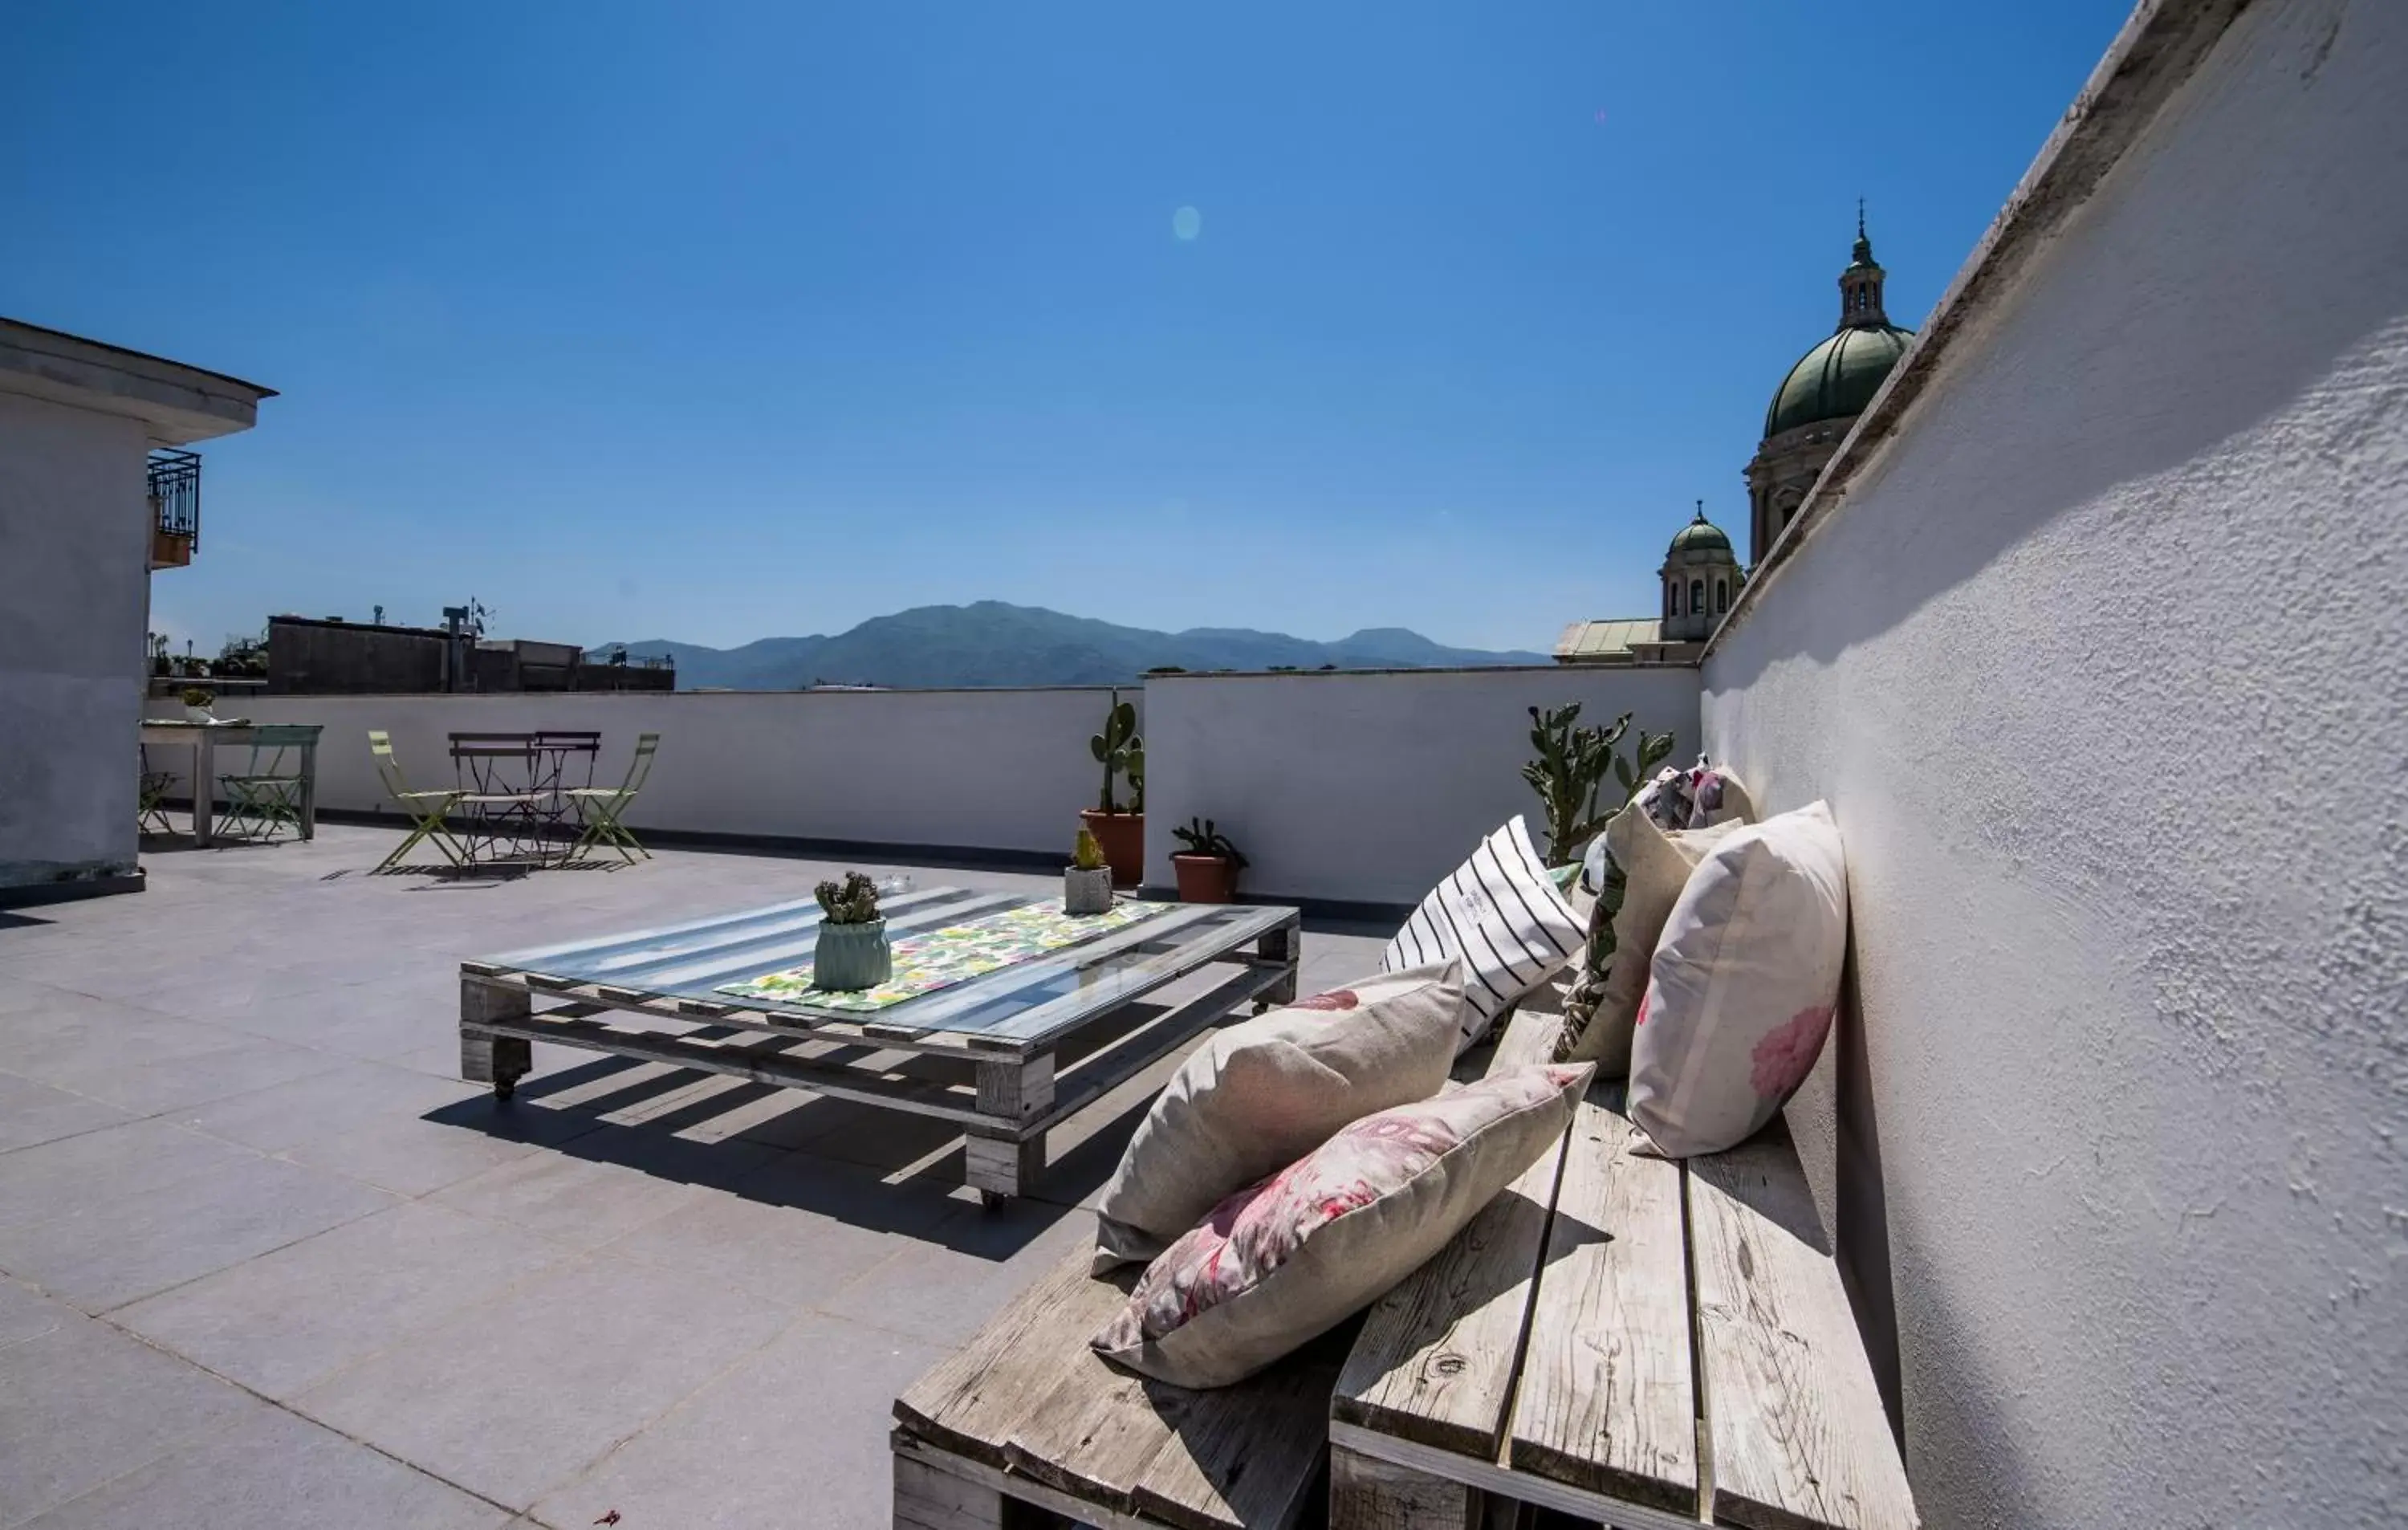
{"type": "Point", "coordinates": [1624, 1340]}
{"type": "Point", "coordinates": [1027, 1427]}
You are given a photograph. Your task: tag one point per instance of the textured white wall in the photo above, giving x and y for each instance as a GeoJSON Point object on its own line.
{"type": "Point", "coordinates": [1372, 787]}
{"type": "Point", "coordinates": [2101, 667]}
{"type": "Point", "coordinates": [987, 769]}
{"type": "Point", "coordinates": [73, 603]}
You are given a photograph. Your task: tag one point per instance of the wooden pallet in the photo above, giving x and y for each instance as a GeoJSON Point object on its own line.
{"type": "Point", "coordinates": [1627, 1340]}
{"type": "Point", "coordinates": [1006, 1055]}
{"type": "Point", "coordinates": [1029, 1418]}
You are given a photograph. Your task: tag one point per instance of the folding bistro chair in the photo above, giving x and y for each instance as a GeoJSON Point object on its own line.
{"type": "Point", "coordinates": [599, 807]}
{"type": "Point", "coordinates": [267, 794]}
{"type": "Point", "coordinates": [425, 809]}
{"type": "Point", "coordinates": [151, 795]}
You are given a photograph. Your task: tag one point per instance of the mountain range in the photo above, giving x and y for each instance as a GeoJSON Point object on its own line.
{"type": "Point", "coordinates": [993, 643]}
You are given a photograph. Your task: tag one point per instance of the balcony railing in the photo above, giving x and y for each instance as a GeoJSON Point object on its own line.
{"type": "Point", "coordinates": [174, 507]}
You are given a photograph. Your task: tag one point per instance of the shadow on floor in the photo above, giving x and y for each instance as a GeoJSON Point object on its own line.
{"type": "Point", "coordinates": [881, 1169]}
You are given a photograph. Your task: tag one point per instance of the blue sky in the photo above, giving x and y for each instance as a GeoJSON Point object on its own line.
{"type": "Point", "coordinates": [724, 321]}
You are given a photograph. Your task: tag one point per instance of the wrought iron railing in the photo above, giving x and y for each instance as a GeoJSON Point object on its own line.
{"type": "Point", "coordinates": [176, 495]}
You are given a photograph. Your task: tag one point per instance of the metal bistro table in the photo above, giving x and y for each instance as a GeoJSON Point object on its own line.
{"type": "Point", "coordinates": [203, 738]}
{"type": "Point", "coordinates": [514, 786]}
{"type": "Point", "coordinates": [994, 1037]}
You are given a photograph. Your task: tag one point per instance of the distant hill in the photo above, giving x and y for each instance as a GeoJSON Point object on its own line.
{"type": "Point", "coordinates": [990, 643]}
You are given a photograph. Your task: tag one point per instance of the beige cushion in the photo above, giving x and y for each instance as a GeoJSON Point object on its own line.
{"type": "Point", "coordinates": [1743, 984]}
{"type": "Point", "coordinates": [1655, 865]}
{"type": "Point", "coordinates": [1500, 913]}
{"type": "Point", "coordinates": [1264, 1092]}
{"type": "Point", "coordinates": [1287, 1259]}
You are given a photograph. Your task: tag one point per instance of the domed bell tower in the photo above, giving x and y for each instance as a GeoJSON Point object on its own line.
{"type": "Point", "coordinates": [1702, 577]}
{"type": "Point", "coordinates": [1821, 397]}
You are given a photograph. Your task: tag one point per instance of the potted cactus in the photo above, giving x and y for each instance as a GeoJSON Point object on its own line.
{"type": "Point", "coordinates": [1120, 831]}
{"type": "Point", "coordinates": [1087, 880]}
{"type": "Point", "coordinates": [853, 952]}
{"type": "Point", "coordinates": [1208, 868]}
{"type": "Point", "coordinates": [197, 701]}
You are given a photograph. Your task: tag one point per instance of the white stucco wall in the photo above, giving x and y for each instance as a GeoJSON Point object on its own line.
{"type": "Point", "coordinates": [984, 770]}
{"type": "Point", "coordinates": [2099, 664]}
{"type": "Point", "coordinates": [74, 604]}
{"type": "Point", "coordinates": [1371, 787]}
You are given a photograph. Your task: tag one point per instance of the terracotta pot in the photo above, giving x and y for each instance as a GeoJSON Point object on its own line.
{"type": "Point", "coordinates": [850, 957]}
{"type": "Point", "coordinates": [1205, 879]}
{"type": "Point", "coordinates": [1123, 836]}
{"type": "Point", "coordinates": [1086, 891]}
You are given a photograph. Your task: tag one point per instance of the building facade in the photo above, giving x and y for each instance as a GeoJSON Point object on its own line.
{"type": "Point", "coordinates": [1820, 397]}
{"type": "Point", "coordinates": [1812, 411]}
{"type": "Point", "coordinates": [95, 492]}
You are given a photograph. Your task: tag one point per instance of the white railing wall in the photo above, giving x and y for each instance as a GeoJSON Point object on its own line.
{"type": "Point", "coordinates": [1371, 787]}
{"type": "Point", "coordinates": [1346, 787]}
{"type": "Point", "coordinates": [1001, 770]}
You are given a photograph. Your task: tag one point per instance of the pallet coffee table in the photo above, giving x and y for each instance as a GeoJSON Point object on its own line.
{"type": "Point", "coordinates": [983, 1049]}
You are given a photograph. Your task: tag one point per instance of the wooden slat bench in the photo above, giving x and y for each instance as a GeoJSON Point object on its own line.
{"type": "Point", "coordinates": [1626, 1340]}
{"type": "Point", "coordinates": [1027, 1427]}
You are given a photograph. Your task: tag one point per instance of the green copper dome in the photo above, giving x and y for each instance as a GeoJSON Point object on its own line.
{"type": "Point", "coordinates": [1837, 378]}
{"type": "Point", "coordinates": [1699, 536]}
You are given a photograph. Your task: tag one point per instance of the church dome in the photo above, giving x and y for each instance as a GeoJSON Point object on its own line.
{"type": "Point", "coordinates": [1838, 378]}
{"type": "Point", "coordinates": [1700, 536]}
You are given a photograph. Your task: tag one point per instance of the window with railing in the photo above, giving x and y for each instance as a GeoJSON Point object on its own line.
{"type": "Point", "coordinates": [176, 493]}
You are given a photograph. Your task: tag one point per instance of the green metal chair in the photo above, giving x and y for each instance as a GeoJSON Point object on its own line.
{"type": "Point", "coordinates": [426, 810]}
{"type": "Point", "coordinates": [268, 795]}
{"type": "Point", "coordinates": [151, 799]}
{"type": "Point", "coordinates": [599, 808]}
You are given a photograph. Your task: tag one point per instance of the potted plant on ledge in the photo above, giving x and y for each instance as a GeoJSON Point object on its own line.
{"type": "Point", "coordinates": [1208, 868]}
{"type": "Point", "coordinates": [851, 952]}
{"type": "Point", "coordinates": [1086, 882]}
{"type": "Point", "coordinates": [197, 700]}
{"type": "Point", "coordinates": [1122, 833]}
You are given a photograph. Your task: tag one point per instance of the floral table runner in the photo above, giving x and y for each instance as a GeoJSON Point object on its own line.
{"type": "Point", "coordinates": [935, 959]}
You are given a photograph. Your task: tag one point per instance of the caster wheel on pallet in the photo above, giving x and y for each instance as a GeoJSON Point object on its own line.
{"type": "Point", "coordinates": [504, 1091]}
{"type": "Point", "coordinates": [993, 1199]}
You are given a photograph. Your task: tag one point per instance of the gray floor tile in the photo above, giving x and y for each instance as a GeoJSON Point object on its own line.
{"type": "Point", "coordinates": [83, 1403]}
{"type": "Point", "coordinates": [33, 1113]}
{"type": "Point", "coordinates": [145, 1085]}
{"type": "Point", "coordinates": [282, 1322]}
{"type": "Point", "coordinates": [943, 1289]}
{"type": "Point", "coordinates": [520, 1395]}
{"type": "Point", "coordinates": [273, 1471]}
{"type": "Point", "coordinates": [41, 1183]}
{"type": "Point", "coordinates": [794, 1231]}
{"type": "Point", "coordinates": [808, 1417]}
{"type": "Point", "coordinates": [358, 1019]}
{"type": "Point", "coordinates": [324, 1105]}
{"type": "Point", "coordinates": [575, 1202]}
{"type": "Point", "coordinates": [26, 1314]}
{"type": "Point", "coordinates": [119, 1248]}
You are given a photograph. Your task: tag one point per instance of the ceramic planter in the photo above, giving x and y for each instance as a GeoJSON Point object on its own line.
{"type": "Point", "coordinates": [197, 714]}
{"type": "Point", "coordinates": [1205, 879]}
{"type": "Point", "coordinates": [852, 956]}
{"type": "Point", "coordinates": [1123, 836]}
{"type": "Point", "coordinates": [1086, 891]}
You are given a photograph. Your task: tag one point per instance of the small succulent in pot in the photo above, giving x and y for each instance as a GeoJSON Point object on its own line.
{"type": "Point", "coordinates": [1208, 868]}
{"type": "Point", "coordinates": [853, 952]}
{"type": "Point", "coordinates": [1087, 880]}
{"type": "Point", "coordinates": [197, 701]}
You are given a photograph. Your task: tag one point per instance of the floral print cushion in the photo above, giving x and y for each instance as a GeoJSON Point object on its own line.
{"type": "Point", "coordinates": [1743, 983]}
{"type": "Point", "coordinates": [1289, 1257]}
{"type": "Point", "coordinates": [1266, 1090]}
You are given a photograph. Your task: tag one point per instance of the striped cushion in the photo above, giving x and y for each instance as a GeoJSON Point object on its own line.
{"type": "Point", "coordinates": [1501, 914]}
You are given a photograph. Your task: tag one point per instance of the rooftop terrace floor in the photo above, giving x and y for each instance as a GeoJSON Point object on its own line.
{"type": "Point", "coordinates": [265, 1261]}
